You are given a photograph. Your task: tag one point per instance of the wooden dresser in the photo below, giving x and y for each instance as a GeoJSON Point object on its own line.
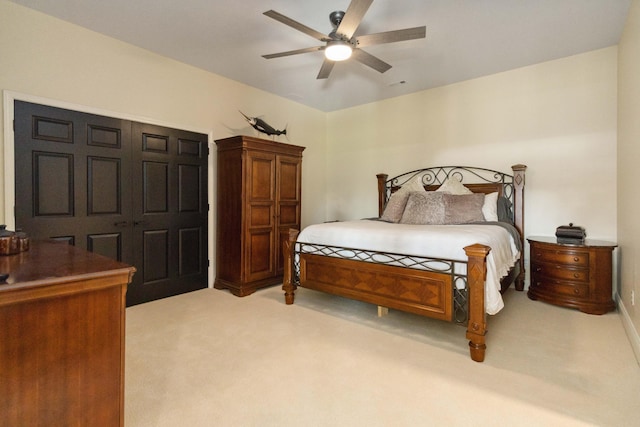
{"type": "Point", "coordinates": [258, 200]}
{"type": "Point", "coordinates": [572, 275]}
{"type": "Point", "coordinates": [62, 325]}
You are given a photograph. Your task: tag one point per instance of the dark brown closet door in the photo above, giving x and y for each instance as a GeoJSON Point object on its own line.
{"type": "Point", "coordinates": [170, 211]}
{"type": "Point", "coordinates": [133, 192]}
{"type": "Point", "coordinates": [72, 173]}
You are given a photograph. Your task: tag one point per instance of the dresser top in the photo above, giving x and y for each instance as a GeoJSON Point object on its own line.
{"type": "Point", "coordinates": [588, 243]}
{"type": "Point", "coordinates": [48, 262]}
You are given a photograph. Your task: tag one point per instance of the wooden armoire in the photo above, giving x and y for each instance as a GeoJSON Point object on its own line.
{"type": "Point", "coordinates": [258, 201]}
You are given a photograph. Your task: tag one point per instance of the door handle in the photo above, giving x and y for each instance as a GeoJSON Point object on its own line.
{"type": "Point", "coordinates": [120, 224]}
{"type": "Point", "coordinates": [136, 223]}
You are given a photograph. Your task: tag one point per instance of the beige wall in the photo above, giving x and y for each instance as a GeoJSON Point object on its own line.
{"type": "Point", "coordinates": [629, 172]}
{"type": "Point", "coordinates": [558, 118]}
{"type": "Point", "coordinates": [45, 57]}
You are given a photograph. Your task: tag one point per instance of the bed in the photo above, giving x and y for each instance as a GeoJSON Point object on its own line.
{"type": "Point", "coordinates": [447, 242]}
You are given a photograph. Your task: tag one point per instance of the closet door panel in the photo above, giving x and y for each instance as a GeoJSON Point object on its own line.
{"type": "Point", "coordinates": [72, 173]}
{"type": "Point", "coordinates": [169, 211]}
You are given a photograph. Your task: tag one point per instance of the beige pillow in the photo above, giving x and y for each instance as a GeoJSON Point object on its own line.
{"type": "Point", "coordinates": [438, 208]}
{"type": "Point", "coordinates": [424, 208]}
{"type": "Point", "coordinates": [453, 186]}
{"type": "Point", "coordinates": [398, 200]}
{"type": "Point", "coordinates": [463, 208]}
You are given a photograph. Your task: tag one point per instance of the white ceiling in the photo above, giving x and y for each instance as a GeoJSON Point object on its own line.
{"type": "Point", "coordinates": [465, 39]}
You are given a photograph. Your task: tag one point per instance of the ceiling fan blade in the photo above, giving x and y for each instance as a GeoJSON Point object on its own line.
{"type": "Point", "coordinates": [352, 17]}
{"type": "Point", "coordinates": [325, 70]}
{"type": "Point", "coordinates": [370, 60]}
{"type": "Point", "coordinates": [294, 52]}
{"type": "Point", "coordinates": [391, 36]}
{"type": "Point", "coordinates": [296, 25]}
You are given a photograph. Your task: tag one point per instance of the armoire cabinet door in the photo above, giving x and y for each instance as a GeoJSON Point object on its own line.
{"type": "Point", "coordinates": [260, 235]}
{"type": "Point", "coordinates": [288, 182]}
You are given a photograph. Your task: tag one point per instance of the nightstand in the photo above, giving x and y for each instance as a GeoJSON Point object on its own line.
{"type": "Point", "coordinates": [572, 275]}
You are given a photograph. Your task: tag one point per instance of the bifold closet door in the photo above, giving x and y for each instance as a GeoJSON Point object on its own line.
{"type": "Point", "coordinates": [72, 174]}
{"type": "Point", "coordinates": [132, 192]}
{"type": "Point", "coordinates": [169, 211]}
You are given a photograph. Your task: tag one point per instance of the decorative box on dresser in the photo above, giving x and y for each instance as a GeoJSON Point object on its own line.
{"type": "Point", "coordinates": [258, 200]}
{"type": "Point", "coordinates": [62, 326]}
{"type": "Point", "coordinates": [574, 275]}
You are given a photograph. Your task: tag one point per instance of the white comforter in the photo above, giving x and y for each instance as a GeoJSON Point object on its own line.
{"type": "Point", "coordinates": [437, 241]}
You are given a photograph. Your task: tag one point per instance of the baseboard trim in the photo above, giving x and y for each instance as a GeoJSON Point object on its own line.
{"type": "Point", "coordinates": [632, 333]}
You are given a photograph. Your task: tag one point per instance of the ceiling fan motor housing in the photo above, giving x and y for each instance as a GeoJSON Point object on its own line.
{"type": "Point", "coordinates": [336, 18]}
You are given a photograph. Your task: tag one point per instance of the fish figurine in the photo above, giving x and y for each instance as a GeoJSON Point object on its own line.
{"type": "Point", "coordinates": [262, 126]}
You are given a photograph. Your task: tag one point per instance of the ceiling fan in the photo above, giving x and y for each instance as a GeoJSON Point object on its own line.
{"type": "Point", "coordinates": [341, 44]}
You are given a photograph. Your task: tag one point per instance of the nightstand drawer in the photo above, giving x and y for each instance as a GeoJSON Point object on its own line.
{"type": "Point", "coordinates": [555, 287]}
{"type": "Point", "coordinates": [562, 272]}
{"type": "Point", "coordinates": [561, 256]}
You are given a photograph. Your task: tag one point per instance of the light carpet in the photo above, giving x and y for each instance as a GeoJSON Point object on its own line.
{"type": "Point", "coordinates": [208, 358]}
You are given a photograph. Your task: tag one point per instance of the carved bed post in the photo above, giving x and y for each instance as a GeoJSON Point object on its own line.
{"type": "Point", "coordinates": [288, 248]}
{"type": "Point", "coordinates": [382, 193]}
{"type": "Point", "coordinates": [476, 276]}
{"type": "Point", "coordinates": [518, 216]}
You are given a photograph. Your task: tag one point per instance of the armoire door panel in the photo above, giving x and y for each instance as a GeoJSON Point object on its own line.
{"type": "Point", "coordinates": [53, 189]}
{"type": "Point", "coordinates": [289, 214]}
{"type": "Point", "coordinates": [262, 178]}
{"type": "Point", "coordinates": [260, 215]}
{"type": "Point", "coordinates": [260, 257]}
{"type": "Point", "coordinates": [288, 182]}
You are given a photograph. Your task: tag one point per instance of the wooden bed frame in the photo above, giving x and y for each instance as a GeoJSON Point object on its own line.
{"type": "Point", "coordinates": [428, 293]}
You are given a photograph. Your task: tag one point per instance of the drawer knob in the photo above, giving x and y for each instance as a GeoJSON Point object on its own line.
{"type": "Point", "coordinates": [538, 269]}
{"type": "Point", "coordinates": [576, 275]}
{"type": "Point", "coordinates": [576, 291]}
{"type": "Point", "coordinates": [576, 259]}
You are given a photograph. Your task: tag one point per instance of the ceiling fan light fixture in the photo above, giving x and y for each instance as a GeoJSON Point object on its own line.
{"type": "Point", "coordinates": [338, 50]}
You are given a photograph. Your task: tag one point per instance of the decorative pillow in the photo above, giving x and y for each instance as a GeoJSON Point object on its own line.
{"type": "Point", "coordinates": [463, 208]}
{"type": "Point", "coordinates": [437, 208]}
{"type": "Point", "coordinates": [395, 206]}
{"type": "Point", "coordinates": [452, 185]}
{"type": "Point", "coordinates": [398, 200]}
{"type": "Point", "coordinates": [490, 207]}
{"type": "Point", "coordinates": [426, 207]}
